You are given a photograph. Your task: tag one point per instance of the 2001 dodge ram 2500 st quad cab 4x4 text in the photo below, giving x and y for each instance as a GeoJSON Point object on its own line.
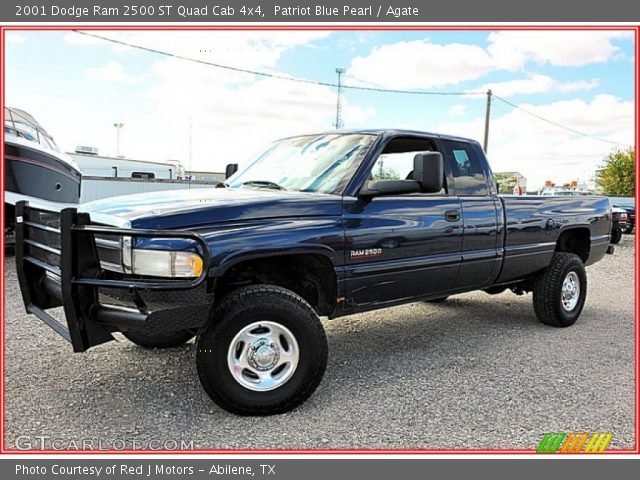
{"type": "Point", "coordinates": [318, 225]}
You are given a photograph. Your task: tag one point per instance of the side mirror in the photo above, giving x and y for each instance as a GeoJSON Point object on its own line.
{"type": "Point", "coordinates": [389, 187]}
{"type": "Point", "coordinates": [428, 170]}
{"type": "Point", "coordinates": [230, 169]}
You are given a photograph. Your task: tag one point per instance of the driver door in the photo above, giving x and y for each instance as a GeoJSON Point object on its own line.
{"type": "Point", "coordinates": [400, 247]}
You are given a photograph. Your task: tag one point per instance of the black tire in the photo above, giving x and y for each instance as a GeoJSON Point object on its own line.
{"type": "Point", "coordinates": [547, 290]}
{"type": "Point", "coordinates": [616, 236]}
{"type": "Point", "coordinates": [235, 313]}
{"type": "Point", "coordinates": [437, 300]}
{"type": "Point", "coordinates": [164, 340]}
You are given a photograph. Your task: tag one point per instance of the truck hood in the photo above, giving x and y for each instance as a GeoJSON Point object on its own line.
{"type": "Point", "coordinates": [205, 206]}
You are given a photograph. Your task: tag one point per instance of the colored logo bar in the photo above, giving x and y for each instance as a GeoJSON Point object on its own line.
{"type": "Point", "coordinates": [575, 442]}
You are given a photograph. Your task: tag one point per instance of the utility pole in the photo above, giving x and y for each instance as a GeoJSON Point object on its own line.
{"type": "Point", "coordinates": [190, 148]}
{"type": "Point", "coordinates": [339, 124]}
{"type": "Point", "coordinates": [118, 126]}
{"type": "Point", "coordinates": [486, 121]}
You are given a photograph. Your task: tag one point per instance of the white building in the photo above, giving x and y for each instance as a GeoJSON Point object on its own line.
{"type": "Point", "coordinates": [94, 165]}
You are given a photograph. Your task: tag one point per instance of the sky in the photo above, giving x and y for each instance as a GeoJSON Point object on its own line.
{"type": "Point", "coordinates": [78, 87]}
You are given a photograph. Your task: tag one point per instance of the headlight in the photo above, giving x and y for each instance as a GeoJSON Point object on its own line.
{"type": "Point", "coordinates": [160, 263]}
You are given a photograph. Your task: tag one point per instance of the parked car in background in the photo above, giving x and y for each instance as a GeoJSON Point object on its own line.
{"type": "Point", "coordinates": [629, 204]}
{"type": "Point", "coordinates": [619, 223]}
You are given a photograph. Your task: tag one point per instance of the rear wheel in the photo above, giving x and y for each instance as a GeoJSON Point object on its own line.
{"type": "Point", "coordinates": [263, 352]}
{"type": "Point", "coordinates": [163, 340]}
{"type": "Point", "coordinates": [560, 292]}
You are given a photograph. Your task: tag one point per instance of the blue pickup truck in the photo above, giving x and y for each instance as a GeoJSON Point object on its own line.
{"type": "Point", "coordinates": [318, 225]}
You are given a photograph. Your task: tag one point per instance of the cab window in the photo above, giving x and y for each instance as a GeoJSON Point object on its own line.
{"type": "Point", "coordinates": [396, 160]}
{"type": "Point", "coordinates": [467, 168]}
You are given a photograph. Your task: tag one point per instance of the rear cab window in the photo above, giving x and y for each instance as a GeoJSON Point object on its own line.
{"type": "Point", "coordinates": [468, 168]}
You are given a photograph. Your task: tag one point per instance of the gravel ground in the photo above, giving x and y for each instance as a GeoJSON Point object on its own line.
{"type": "Point", "coordinates": [478, 371]}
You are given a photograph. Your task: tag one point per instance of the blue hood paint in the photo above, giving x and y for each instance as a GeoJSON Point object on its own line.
{"type": "Point", "coordinates": [201, 207]}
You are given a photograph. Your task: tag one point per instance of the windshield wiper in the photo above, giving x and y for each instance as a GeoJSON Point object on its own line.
{"type": "Point", "coordinates": [263, 184]}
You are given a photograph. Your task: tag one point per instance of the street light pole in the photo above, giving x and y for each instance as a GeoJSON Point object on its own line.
{"type": "Point", "coordinates": [118, 126]}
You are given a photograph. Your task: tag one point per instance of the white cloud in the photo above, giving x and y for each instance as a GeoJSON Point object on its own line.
{"type": "Point", "coordinates": [233, 114]}
{"type": "Point", "coordinates": [246, 49]}
{"type": "Point", "coordinates": [541, 151]}
{"type": "Point", "coordinates": [536, 83]}
{"type": "Point", "coordinates": [457, 110]}
{"type": "Point", "coordinates": [231, 118]}
{"type": "Point", "coordinates": [15, 38]}
{"type": "Point", "coordinates": [113, 71]}
{"type": "Point", "coordinates": [566, 87]}
{"type": "Point", "coordinates": [422, 64]}
{"type": "Point", "coordinates": [510, 50]}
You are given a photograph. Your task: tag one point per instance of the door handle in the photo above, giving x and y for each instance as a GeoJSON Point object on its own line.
{"type": "Point", "coordinates": [452, 215]}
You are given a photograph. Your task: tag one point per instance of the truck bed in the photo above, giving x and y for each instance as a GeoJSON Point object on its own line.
{"type": "Point", "coordinates": [533, 225]}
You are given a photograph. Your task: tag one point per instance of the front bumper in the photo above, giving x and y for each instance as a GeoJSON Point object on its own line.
{"type": "Point", "coordinates": [59, 264]}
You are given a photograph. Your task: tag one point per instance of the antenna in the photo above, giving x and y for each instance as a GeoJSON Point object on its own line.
{"type": "Point", "coordinates": [339, 123]}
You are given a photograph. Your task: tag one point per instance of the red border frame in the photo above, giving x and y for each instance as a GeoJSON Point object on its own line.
{"type": "Point", "coordinates": [5, 28]}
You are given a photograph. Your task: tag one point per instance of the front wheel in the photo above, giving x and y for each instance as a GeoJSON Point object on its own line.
{"type": "Point", "coordinates": [263, 352]}
{"type": "Point", "coordinates": [560, 292]}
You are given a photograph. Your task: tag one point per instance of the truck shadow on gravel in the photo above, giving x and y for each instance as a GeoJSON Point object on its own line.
{"type": "Point", "coordinates": [430, 334]}
{"type": "Point", "coordinates": [114, 390]}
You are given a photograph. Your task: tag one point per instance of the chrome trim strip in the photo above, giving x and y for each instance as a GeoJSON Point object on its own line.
{"type": "Point", "coordinates": [110, 244]}
{"type": "Point", "coordinates": [487, 254]}
{"type": "Point", "coordinates": [113, 267]}
{"type": "Point", "coordinates": [529, 247]}
{"type": "Point", "coordinates": [403, 264]}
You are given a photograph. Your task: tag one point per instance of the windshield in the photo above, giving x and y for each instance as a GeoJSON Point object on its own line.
{"type": "Point", "coordinates": [314, 163]}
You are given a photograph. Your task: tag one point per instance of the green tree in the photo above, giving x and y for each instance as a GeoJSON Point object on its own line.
{"type": "Point", "coordinates": [384, 173]}
{"type": "Point", "coordinates": [618, 174]}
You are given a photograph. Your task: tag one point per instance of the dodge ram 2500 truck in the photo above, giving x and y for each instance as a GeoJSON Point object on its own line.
{"type": "Point", "coordinates": [319, 225]}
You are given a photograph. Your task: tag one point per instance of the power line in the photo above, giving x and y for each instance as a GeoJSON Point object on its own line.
{"type": "Point", "coordinates": [559, 125]}
{"type": "Point", "coordinates": [272, 75]}
{"type": "Point", "coordinates": [340, 85]}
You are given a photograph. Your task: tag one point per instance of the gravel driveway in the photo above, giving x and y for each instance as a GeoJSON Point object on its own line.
{"type": "Point", "coordinates": [476, 372]}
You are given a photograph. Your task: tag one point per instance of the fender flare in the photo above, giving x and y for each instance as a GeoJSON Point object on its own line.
{"type": "Point", "coordinates": [241, 256]}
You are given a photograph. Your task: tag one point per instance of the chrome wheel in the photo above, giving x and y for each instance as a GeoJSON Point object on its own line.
{"type": "Point", "coordinates": [570, 291]}
{"type": "Point", "coordinates": [263, 356]}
